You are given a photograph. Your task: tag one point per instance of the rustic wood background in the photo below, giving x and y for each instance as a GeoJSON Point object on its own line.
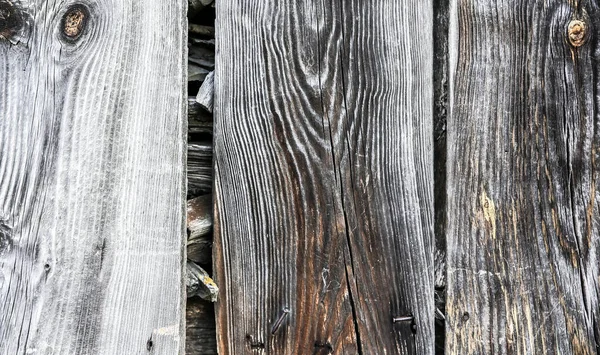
{"type": "Point", "coordinates": [92, 159]}
{"type": "Point", "coordinates": [522, 189]}
{"type": "Point", "coordinates": [410, 177]}
{"type": "Point", "coordinates": [324, 177]}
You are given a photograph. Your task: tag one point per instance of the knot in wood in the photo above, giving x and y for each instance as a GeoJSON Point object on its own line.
{"type": "Point", "coordinates": [11, 20]}
{"type": "Point", "coordinates": [74, 21]}
{"type": "Point", "coordinates": [577, 31]}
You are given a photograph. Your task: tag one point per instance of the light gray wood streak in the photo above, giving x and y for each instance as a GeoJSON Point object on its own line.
{"type": "Point", "coordinates": [92, 196]}
{"type": "Point", "coordinates": [206, 93]}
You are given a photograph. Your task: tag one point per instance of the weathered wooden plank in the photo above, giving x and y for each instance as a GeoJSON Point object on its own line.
{"type": "Point", "coordinates": [522, 179]}
{"type": "Point", "coordinates": [92, 195]}
{"type": "Point", "coordinates": [323, 177]}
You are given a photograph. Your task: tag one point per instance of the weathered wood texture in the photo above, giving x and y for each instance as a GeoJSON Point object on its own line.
{"type": "Point", "coordinates": [205, 95]}
{"type": "Point", "coordinates": [92, 195]}
{"type": "Point", "coordinates": [199, 228]}
{"type": "Point", "coordinates": [201, 338]}
{"type": "Point", "coordinates": [323, 177]}
{"type": "Point", "coordinates": [440, 116]}
{"type": "Point", "coordinates": [200, 172]}
{"type": "Point", "coordinates": [522, 179]}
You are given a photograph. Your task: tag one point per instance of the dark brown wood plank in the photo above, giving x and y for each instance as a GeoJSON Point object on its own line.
{"type": "Point", "coordinates": [92, 185]}
{"type": "Point", "coordinates": [523, 193]}
{"type": "Point", "coordinates": [323, 177]}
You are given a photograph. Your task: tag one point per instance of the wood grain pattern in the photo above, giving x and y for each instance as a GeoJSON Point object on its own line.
{"type": "Point", "coordinates": [92, 195]}
{"type": "Point", "coordinates": [199, 168]}
{"type": "Point", "coordinates": [522, 179]}
{"type": "Point", "coordinates": [201, 338]}
{"type": "Point", "coordinates": [323, 177]}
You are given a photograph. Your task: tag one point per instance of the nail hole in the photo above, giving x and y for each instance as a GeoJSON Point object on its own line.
{"type": "Point", "coordinates": [149, 344]}
{"type": "Point", "coordinates": [413, 327]}
{"type": "Point", "coordinates": [74, 21]}
{"type": "Point", "coordinates": [465, 316]}
{"type": "Point", "coordinates": [326, 345]}
{"type": "Point", "coordinates": [47, 267]}
{"type": "Point", "coordinates": [254, 344]}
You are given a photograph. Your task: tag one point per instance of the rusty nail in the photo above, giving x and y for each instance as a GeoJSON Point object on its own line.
{"type": "Point", "coordinates": [402, 319]}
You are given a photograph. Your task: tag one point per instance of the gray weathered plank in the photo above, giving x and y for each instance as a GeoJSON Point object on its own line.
{"type": "Point", "coordinates": [323, 177]}
{"type": "Point", "coordinates": [92, 195]}
{"type": "Point", "coordinates": [522, 185]}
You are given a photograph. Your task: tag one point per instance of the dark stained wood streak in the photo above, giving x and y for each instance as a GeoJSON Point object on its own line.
{"type": "Point", "coordinates": [441, 98]}
{"type": "Point", "coordinates": [324, 177]}
{"type": "Point", "coordinates": [523, 238]}
{"type": "Point", "coordinates": [92, 189]}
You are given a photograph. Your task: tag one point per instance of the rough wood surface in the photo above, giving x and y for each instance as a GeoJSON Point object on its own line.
{"type": "Point", "coordinates": [199, 226]}
{"type": "Point", "coordinates": [201, 338]}
{"type": "Point", "coordinates": [206, 93]}
{"type": "Point", "coordinates": [200, 122]}
{"type": "Point", "coordinates": [523, 192]}
{"type": "Point", "coordinates": [323, 177]}
{"type": "Point", "coordinates": [200, 172]}
{"type": "Point", "coordinates": [199, 283]}
{"type": "Point", "coordinates": [92, 195]}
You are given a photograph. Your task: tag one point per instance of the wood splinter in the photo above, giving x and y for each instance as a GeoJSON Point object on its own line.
{"type": "Point", "coordinates": [206, 92]}
{"type": "Point", "coordinates": [199, 283]}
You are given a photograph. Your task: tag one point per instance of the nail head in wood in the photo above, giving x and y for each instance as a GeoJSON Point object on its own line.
{"type": "Point", "coordinates": [577, 31]}
{"type": "Point", "coordinates": [74, 21]}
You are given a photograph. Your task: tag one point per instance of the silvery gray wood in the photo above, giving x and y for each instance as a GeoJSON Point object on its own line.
{"type": "Point", "coordinates": [92, 195]}
{"type": "Point", "coordinates": [205, 95]}
{"type": "Point", "coordinates": [324, 177]}
{"type": "Point", "coordinates": [522, 188]}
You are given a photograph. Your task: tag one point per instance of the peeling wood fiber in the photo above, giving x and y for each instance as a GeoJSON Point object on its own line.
{"type": "Point", "coordinates": [324, 177]}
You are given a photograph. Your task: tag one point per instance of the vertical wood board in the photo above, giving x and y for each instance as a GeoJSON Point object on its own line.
{"type": "Point", "coordinates": [522, 186]}
{"type": "Point", "coordinates": [323, 177]}
{"type": "Point", "coordinates": [92, 185]}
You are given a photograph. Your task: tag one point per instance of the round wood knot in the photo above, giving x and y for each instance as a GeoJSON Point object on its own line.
{"type": "Point", "coordinates": [577, 32]}
{"type": "Point", "coordinates": [11, 20]}
{"type": "Point", "coordinates": [74, 21]}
